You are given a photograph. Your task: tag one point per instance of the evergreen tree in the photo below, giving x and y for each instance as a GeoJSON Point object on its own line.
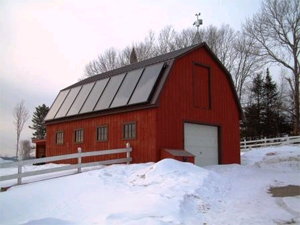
{"type": "Point", "coordinates": [252, 125]}
{"type": "Point", "coordinates": [270, 107]}
{"type": "Point", "coordinates": [38, 121]}
{"type": "Point", "coordinates": [263, 114]}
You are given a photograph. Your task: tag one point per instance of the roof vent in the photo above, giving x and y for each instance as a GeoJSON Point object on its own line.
{"type": "Point", "coordinates": [133, 57]}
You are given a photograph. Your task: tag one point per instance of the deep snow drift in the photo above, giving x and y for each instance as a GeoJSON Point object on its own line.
{"type": "Point", "coordinates": [167, 192]}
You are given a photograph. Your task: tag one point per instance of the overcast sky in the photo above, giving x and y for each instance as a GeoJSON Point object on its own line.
{"type": "Point", "coordinates": [45, 44]}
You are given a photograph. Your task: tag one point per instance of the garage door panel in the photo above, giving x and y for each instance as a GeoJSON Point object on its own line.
{"type": "Point", "coordinates": [202, 141]}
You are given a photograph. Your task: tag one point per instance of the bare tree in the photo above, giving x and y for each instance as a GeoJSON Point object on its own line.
{"type": "Point", "coordinates": [147, 48]}
{"type": "Point", "coordinates": [285, 95]}
{"type": "Point", "coordinates": [276, 30]}
{"type": "Point", "coordinates": [105, 62]}
{"type": "Point", "coordinates": [111, 59]}
{"type": "Point", "coordinates": [124, 56]}
{"type": "Point", "coordinates": [25, 149]}
{"type": "Point", "coordinates": [21, 115]}
{"type": "Point", "coordinates": [236, 52]}
{"type": "Point", "coordinates": [246, 62]}
{"type": "Point", "coordinates": [185, 38]}
{"type": "Point", "coordinates": [166, 40]}
{"type": "Point", "coordinates": [225, 46]}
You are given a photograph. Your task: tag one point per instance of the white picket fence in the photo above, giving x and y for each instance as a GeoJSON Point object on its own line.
{"type": "Point", "coordinates": [21, 174]}
{"type": "Point", "coordinates": [288, 140]}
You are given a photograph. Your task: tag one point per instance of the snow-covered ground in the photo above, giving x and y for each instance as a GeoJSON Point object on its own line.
{"type": "Point", "coordinates": [167, 192]}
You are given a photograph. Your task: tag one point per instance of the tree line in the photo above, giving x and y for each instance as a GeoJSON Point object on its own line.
{"type": "Point", "coordinates": [270, 37]}
{"type": "Point", "coordinates": [264, 114]}
{"type": "Point", "coordinates": [234, 50]}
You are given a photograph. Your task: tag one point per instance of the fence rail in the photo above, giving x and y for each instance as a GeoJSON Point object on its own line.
{"type": "Point", "coordinates": [77, 166]}
{"type": "Point", "coordinates": [289, 140]}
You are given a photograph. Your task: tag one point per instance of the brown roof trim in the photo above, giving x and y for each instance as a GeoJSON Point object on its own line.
{"type": "Point", "coordinates": [34, 140]}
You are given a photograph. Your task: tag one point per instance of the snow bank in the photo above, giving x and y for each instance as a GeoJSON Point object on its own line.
{"type": "Point", "coordinates": [172, 176]}
{"type": "Point", "coordinates": [281, 158]}
{"type": "Point", "coordinates": [166, 192]}
{"type": "Point", "coordinates": [162, 193]}
{"type": "Point", "coordinates": [169, 169]}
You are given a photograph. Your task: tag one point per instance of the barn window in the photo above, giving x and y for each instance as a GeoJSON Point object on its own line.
{"type": "Point", "coordinates": [129, 130]}
{"type": "Point", "coordinates": [59, 137]}
{"type": "Point", "coordinates": [78, 135]}
{"type": "Point", "coordinates": [102, 133]}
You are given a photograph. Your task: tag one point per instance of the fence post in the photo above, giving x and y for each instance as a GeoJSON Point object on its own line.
{"type": "Point", "coordinates": [265, 141]}
{"type": "Point", "coordinates": [128, 152]}
{"type": "Point", "coordinates": [287, 140]}
{"type": "Point", "coordinates": [245, 144]}
{"type": "Point", "coordinates": [79, 159]}
{"type": "Point", "coordinates": [128, 156]}
{"type": "Point", "coordinates": [19, 173]}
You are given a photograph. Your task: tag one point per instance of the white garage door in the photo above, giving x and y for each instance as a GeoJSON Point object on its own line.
{"type": "Point", "coordinates": [202, 141]}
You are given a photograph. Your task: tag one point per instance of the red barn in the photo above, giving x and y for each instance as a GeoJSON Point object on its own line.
{"type": "Point", "coordinates": [183, 100]}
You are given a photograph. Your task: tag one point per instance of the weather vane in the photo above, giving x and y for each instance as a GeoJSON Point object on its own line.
{"type": "Point", "coordinates": [197, 23]}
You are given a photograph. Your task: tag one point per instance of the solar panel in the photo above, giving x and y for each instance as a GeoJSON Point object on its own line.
{"type": "Point", "coordinates": [120, 90]}
{"type": "Point", "coordinates": [81, 97]}
{"type": "Point", "coordinates": [56, 105]}
{"type": "Point", "coordinates": [146, 83]}
{"type": "Point", "coordinates": [127, 88]}
{"type": "Point", "coordinates": [68, 102]}
{"type": "Point", "coordinates": [94, 96]}
{"type": "Point", "coordinates": [109, 92]}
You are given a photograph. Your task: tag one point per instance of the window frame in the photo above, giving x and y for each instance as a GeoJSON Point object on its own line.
{"type": "Point", "coordinates": [57, 142]}
{"type": "Point", "coordinates": [75, 132]}
{"type": "Point", "coordinates": [129, 135]}
{"type": "Point", "coordinates": [98, 134]}
{"type": "Point", "coordinates": [209, 76]}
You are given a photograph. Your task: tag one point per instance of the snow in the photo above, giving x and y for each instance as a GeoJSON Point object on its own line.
{"type": "Point", "coordinates": [166, 192]}
{"type": "Point", "coordinates": [282, 158]}
{"type": "Point", "coordinates": [5, 161]}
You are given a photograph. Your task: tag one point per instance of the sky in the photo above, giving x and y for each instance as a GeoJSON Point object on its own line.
{"type": "Point", "coordinates": [45, 44]}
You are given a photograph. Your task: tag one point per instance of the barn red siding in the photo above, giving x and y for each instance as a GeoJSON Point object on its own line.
{"type": "Point", "coordinates": [196, 90]}
{"type": "Point", "coordinates": [176, 105]}
{"type": "Point", "coordinates": [144, 146]}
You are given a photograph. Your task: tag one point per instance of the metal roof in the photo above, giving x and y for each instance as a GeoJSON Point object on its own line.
{"type": "Point", "coordinates": [129, 85]}
{"type": "Point", "coordinates": [136, 84]}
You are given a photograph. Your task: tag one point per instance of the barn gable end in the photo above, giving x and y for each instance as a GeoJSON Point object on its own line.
{"type": "Point", "coordinates": [210, 101]}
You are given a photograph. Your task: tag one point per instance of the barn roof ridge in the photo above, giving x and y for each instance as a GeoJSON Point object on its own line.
{"type": "Point", "coordinates": [141, 64]}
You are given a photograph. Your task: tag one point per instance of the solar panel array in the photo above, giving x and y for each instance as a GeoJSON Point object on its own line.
{"type": "Point", "coordinates": [120, 90]}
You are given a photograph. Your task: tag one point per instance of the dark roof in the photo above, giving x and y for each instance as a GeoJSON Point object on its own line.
{"type": "Point", "coordinates": [141, 64]}
{"type": "Point", "coordinates": [78, 98]}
